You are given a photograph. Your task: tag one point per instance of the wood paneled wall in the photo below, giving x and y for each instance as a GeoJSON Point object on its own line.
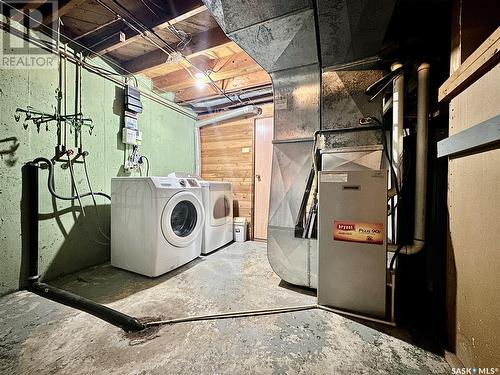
{"type": "Point", "coordinates": [227, 154]}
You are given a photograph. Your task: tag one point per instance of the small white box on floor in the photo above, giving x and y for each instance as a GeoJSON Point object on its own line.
{"type": "Point", "coordinates": [240, 229]}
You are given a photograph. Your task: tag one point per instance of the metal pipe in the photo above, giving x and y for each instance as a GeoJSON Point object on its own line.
{"type": "Point", "coordinates": [398, 122]}
{"type": "Point", "coordinates": [91, 31]}
{"type": "Point", "coordinates": [223, 101]}
{"type": "Point", "coordinates": [247, 111]}
{"type": "Point", "coordinates": [397, 141]}
{"type": "Point", "coordinates": [357, 316]}
{"type": "Point", "coordinates": [125, 322]}
{"type": "Point", "coordinates": [421, 162]}
{"type": "Point", "coordinates": [197, 150]}
{"type": "Point", "coordinates": [235, 314]}
{"type": "Point", "coordinates": [150, 95]}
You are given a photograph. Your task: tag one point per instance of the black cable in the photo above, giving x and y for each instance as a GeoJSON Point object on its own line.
{"type": "Point", "coordinates": [50, 183]}
{"type": "Point", "coordinates": [393, 260]}
{"type": "Point", "coordinates": [147, 29]}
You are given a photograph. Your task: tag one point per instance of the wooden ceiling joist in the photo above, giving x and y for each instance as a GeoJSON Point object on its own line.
{"type": "Point", "coordinates": [63, 8]}
{"type": "Point", "coordinates": [234, 84]}
{"type": "Point", "coordinates": [27, 8]}
{"type": "Point", "coordinates": [219, 69]}
{"type": "Point", "coordinates": [200, 42]}
{"type": "Point", "coordinates": [115, 42]}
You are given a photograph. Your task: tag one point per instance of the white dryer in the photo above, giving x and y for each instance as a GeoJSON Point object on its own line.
{"type": "Point", "coordinates": [218, 205]}
{"type": "Point", "coordinates": [156, 223]}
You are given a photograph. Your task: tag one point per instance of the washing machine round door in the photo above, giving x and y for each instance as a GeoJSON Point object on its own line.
{"type": "Point", "coordinates": [182, 219]}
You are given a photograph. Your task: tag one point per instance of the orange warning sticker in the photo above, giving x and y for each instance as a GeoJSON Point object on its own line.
{"type": "Point", "coordinates": [358, 232]}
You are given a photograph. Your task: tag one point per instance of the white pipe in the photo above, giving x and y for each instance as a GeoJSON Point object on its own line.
{"type": "Point", "coordinates": [397, 122]}
{"type": "Point", "coordinates": [421, 163]}
{"type": "Point", "coordinates": [398, 87]}
{"type": "Point", "coordinates": [233, 314]}
{"type": "Point", "coordinates": [357, 316]}
{"type": "Point", "coordinates": [197, 151]}
{"type": "Point", "coordinates": [247, 111]}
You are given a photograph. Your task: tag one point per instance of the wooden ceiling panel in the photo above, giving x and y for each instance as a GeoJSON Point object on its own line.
{"type": "Point", "coordinates": [200, 42]}
{"type": "Point", "coordinates": [234, 84]}
{"type": "Point", "coordinates": [223, 50]}
{"type": "Point", "coordinates": [218, 69]}
{"type": "Point", "coordinates": [209, 49]}
{"type": "Point", "coordinates": [93, 7]}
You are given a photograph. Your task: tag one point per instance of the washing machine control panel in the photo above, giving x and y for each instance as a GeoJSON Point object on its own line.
{"type": "Point", "coordinates": [193, 183]}
{"type": "Point", "coordinates": [173, 182]}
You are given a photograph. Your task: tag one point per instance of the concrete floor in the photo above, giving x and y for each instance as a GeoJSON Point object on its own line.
{"type": "Point", "coordinates": [38, 336]}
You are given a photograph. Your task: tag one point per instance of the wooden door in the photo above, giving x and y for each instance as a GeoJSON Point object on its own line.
{"type": "Point", "coordinates": [263, 161]}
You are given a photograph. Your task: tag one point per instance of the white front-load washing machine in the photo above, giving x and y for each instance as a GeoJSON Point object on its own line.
{"type": "Point", "coordinates": [156, 223]}
{"type": "Point", "coordinates": [218, 205]}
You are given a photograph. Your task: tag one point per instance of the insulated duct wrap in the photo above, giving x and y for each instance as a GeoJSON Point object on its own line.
{"type": "Point", "coordinates": [281, 36]}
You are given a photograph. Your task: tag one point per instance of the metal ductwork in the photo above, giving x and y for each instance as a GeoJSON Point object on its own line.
{"type": "Point", "coordinates": [304, 45]}
{"type": "Point", "coordinates": [247, 111]}
{"type": "Point", "coordinates": [254, 96]}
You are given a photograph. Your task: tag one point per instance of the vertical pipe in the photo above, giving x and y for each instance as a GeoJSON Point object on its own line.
{"type": "Point", "coordinates": [398, 87]}
{"type": "Point", "coordinates": [65, 97]}
{"type": "Point", "coordinates": [126, 322]}
{"type": "Point", "coordinates": [397, 122]}
{"type": "Point", "coordinates": [197, 150]}
{"type": "Point", "coordinates": [422, 141]}
{"type": "Point", "coordinates": [421, 162]}
{"type": "Point", "coordinates": [32, 205]}
{"type": "Point", "coordinates": [59, 86]}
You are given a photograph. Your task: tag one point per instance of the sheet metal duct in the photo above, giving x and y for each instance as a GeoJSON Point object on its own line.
{"type": "Point", "coordinates": [282, 37]}
{"type": "Point", "coordinates": [351, 30]}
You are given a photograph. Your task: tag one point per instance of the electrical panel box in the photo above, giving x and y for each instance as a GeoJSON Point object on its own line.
{"type": "Point", "coordinates": [131, 137]}
{"type": "Point", "coordinates": [352, 257]}
{"type": "Point", "coordinates": [130, 120]}
{"type": "Point", "coordinates": [133, 99]}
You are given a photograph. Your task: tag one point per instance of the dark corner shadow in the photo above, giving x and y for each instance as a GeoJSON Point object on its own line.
{"type": "Point", "coordinates": [105, 283]}
{"type": "Point", "coordinates": [298, 289]}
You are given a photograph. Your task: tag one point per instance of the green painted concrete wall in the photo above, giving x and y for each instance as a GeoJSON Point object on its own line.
{"type": "Point", "coordinates": [69, 241]}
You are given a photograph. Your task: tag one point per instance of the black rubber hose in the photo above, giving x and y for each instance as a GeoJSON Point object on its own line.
{"type": "Point", "coordinates": [118, 319]}
{"type": "Point", "coordinates": [124, 321]}
{"type": "Point", "coordinates": [396, 254]}
{"type": "Point", "coordinates": [50, 183]}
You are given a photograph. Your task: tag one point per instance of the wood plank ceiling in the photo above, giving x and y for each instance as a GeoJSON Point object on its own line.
{"type": "Point", "coordinates": [138, 35]}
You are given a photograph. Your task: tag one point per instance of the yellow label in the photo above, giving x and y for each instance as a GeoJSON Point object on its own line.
{"type": "Point", "coordinates": [358, 232]}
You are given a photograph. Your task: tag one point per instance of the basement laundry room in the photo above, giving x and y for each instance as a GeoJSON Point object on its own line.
{"type": "Point", "coordinates": [249, 187]}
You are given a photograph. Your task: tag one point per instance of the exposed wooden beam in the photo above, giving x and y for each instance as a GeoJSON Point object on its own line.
{"type": "Point", "coordinates": [200, 42]}
{"type": "Point", "coordinates": [217, 52]}
{"type": "Point", "coordinates": [224, 68]}
{"type": "Point", "coordinates": [27, 8]}
{"type": "Point", "coordinates": [63, 8]}
{"type": "Point", "coordinates": [485, 57]}
{"type": "Point", "coordinates": [230, 85]}
{"type": "Point", "coordinates": [115, 42]}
